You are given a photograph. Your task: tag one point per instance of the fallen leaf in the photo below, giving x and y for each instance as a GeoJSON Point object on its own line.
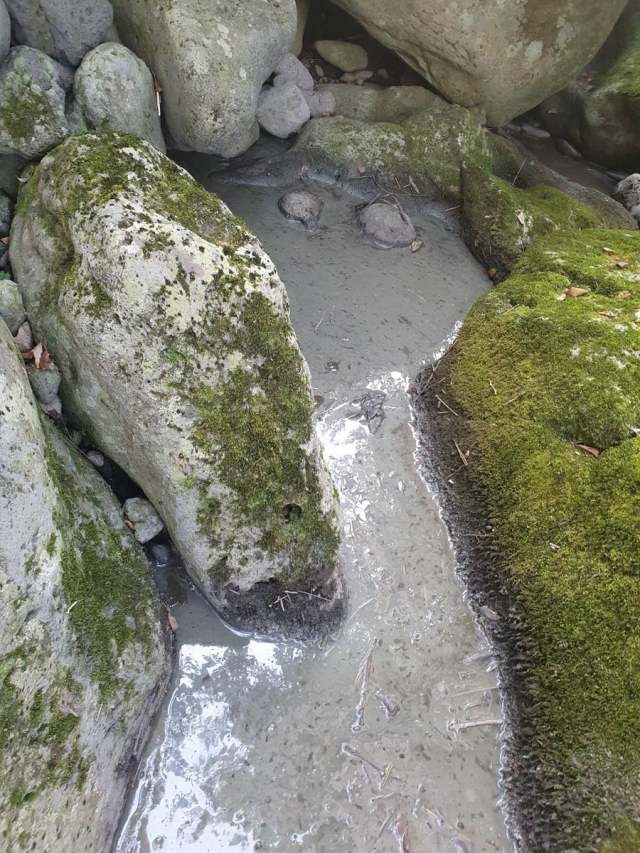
{"type": "Point", "coordinates": [173, 624]}
{"type": "Point", "coordinates": [606, 314]}
{"type": "Point", "coordinates": [553, 112]}
{"type": "Point", "coordinates": [576, 291]}
{"type": "Point", "coordinates": [491, 272]}
{"type": "Point", "coordinates": [622, 264]}
{"type": "Point", "coordinates": [129, 525]}
{"type": "Point", "coordinates": [605, 249]}
{"type": "Point", "coordinates": [40, 357]}
{"type": "Point", "coordinates": [623, 294]}
{"type": "Point", "coordinates": [587, 449]}
{"type": "Point", "coordinates": [4, 240]}
{"type": "Point", "coordinates": [521, 217]}
{"type": "Point", "coordinates": [417, 244]}
{"type": "Point", "coordinates": [413, 186]}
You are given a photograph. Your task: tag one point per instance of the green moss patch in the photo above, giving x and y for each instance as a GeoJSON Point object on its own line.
{"type": "Point", "coordinates": [501, 221]}
{"type": "Point", "coordinates": [106, 581]}
{"type": "Point", "coordinates": [547, 370]}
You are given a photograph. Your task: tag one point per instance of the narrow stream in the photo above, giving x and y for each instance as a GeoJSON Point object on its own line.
{"type": "Point", "coordinates": [355, 746]}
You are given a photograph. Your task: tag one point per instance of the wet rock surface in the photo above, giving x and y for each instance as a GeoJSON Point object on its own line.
{"type": "Point", "coordinates": [302, 207]}
{"type": "Point", "coordinates": [84, 665]}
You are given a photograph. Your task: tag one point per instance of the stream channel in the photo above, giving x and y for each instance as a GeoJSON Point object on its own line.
{"type": "Point", "coordinates": [359, 744]}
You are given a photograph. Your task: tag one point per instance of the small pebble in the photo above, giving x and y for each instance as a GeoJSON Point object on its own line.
{"type": "Point", "coordinates": [95, 458]}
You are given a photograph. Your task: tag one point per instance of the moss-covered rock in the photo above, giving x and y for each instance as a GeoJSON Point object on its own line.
{"type": "Point", "coordinates": [431, 146]}
{"type": "Point", "coordinates": [501, 221]}
{"type": "Point", "coordinates": [171, 329]}
{"type": "Point", "coordinates": [611, 112]}
{"type": "Point", "coordinates": [84, 651]}
{"type": "Point", "coordinates": [547, 371]}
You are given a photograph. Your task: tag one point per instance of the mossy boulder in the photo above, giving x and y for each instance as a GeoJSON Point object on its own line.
{"type": "Point", "coordinates": [611, 112]}
{"type": "Point", "coordinates": [32, 104]}
{"type": "Point", "coordinates": [430, 146]}
{"type": "Point", "coordinates": [84, 646]}
{"type": "Point", "coordinates": [171, 329]}
{"type": "Point", "coordinates": [547, 372]}
{"type": "Point", "coordinates": [501, 221]}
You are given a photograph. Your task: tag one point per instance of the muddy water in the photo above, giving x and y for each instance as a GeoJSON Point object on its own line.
{"type": "Point", "coordinates": [363, 744]}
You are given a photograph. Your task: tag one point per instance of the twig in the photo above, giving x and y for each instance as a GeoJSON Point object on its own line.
{"type": "Point", "coordinates": [308, 594]}
{"type": "Point", "coordinates": [417, 294]}
{"type": "Point", "coordinates": [457, 727]}
{"type": "Point", "coordinates": [513, 183]}
{"type": "Point", "coordinates": [321, 319]}
{"type": "Point", "coordinates": [70, 608]}
{"type": "Point", "coordinates": [493, 388]}
{"type": "Point", "coordinates": [465, 461]}
{"type": "Point", "coordinates": [447, 406]}
{"type": "Point", "coordinates": [355, 612]}
{"type": "Point", "coordinates": [517, 397]}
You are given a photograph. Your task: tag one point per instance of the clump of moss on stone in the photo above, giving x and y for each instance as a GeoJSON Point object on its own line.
{"type": "Point", "coordinates": [105, 578]}
{"type": "Point", "coordinates": [501, 221]}
{"type": "Point", "coordinates": [97, 167]}
{"type": "Point", "coordinates": [624, 74]}
{"type": "Point", "coordinates": [39, 744]}
{"type": "Point", "coordinates": [555, 453]}
{"type": "Point", "coordinates": [430, 147]}
{"type": "Point", "coordinates": [256, 425]}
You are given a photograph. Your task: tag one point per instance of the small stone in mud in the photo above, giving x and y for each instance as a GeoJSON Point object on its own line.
{"type": "Point", "coordinates": [387, 225]}
{"type": "Point", "coordinates": [302, 207]}
{"type": "Point", "coordinates": [143, 517]}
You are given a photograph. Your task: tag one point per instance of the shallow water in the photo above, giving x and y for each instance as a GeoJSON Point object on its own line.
{"type": "Point", "coordinates": [353, 746]}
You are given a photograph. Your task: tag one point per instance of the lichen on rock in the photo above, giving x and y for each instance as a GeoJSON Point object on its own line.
{"type": "Point", "coordinates": [84, 645]}
{"type": "Point", "coordinates": [171, 330]}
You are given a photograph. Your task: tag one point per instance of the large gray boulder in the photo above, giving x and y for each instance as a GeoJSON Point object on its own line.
{"type": "Point", "coordinates": [84, 647]}
{"type": "Point", "coordinates": [211, 58]}
{"type": "Point", "coordinates": [64, 29]}
{"type": "Point", "coordinates": [114, 90]}
{"type": "Point", "coordinates": [503, 55]}
{"type": "Point", "coordinates": [32, 104]}
{"type": "Point", "coordinates": [5, 31]}
{"type": "Point", "coordinates": [171, 330]}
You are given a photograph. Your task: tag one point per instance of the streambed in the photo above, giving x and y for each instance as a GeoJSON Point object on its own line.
{"type": "Point", "coordinates": [359, 744]}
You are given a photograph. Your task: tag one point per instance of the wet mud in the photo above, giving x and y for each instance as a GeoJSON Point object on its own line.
{"type": "Point", "coordinates": [385, 736]}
